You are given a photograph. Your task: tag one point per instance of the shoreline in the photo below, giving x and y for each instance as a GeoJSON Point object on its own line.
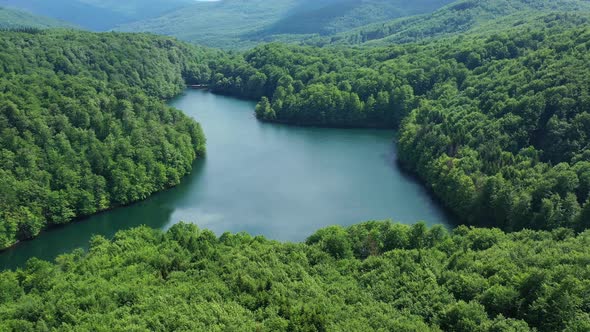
{"type": "Point", "coordinates": [81, 219]}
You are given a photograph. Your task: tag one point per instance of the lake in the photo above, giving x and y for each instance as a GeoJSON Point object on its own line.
{"type": "Point", "coordinates": [279, 181]}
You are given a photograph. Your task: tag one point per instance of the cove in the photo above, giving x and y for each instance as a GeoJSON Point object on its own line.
{"type": "Point", "coordinates": [275, 180]}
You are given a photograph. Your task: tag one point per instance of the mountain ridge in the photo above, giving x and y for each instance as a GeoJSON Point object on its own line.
{"type": "Point", "coordinates": [258, 21]}
{"type": "Point", "coordinates": [456, 18]}
{"type": "Point", "coordinates": [11, 18]}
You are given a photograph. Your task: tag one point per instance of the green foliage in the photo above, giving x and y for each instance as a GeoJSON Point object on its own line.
{"type": "Point", "coordinates": [513, 152]}
{"type": "Point", "coordinates": [462, 17]}
{"type": "Point", "coordinates": [314, 86]}
{"type": "Point", "coordinates": [83, 127]}
{"type": "Point", "coordinates": [157, 65]}
{"type": "Point", "coordinates": [351, 278]}
{"type": "Point", "coordinates": [264, 110]}
{"type": "Point", "coordinates": [496, 124]}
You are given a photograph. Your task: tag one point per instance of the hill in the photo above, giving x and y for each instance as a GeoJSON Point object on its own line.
{"type": "Point", "coordinates": [333, 16]}
{"type": "Point", "coordinates": [459, 17]}
{"type": "Point", "coordinates": [13, 18]}
{"type": "Point", "coordinates": [83, 127]}
{"type": "Point", "coordinates": [94, 14]}
{"type": "Point", "coordinates": [375, 276]}
{"type": "Point", "coordinates": [241, 23]}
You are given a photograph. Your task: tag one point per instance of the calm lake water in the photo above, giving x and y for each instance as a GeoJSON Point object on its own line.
{"type": "Point", "coordinates": [279, 181]}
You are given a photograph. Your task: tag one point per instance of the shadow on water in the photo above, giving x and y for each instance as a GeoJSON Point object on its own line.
{"type": "Point", "coordinates": [153, 212]}
{"type": "Point", "coordinates": [392, 160]}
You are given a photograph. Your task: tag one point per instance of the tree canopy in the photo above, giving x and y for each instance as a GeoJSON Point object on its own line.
{"type": "Point", "coordinates": [83, 127]}
{"type": "Point", "coordinates": [371, 276]}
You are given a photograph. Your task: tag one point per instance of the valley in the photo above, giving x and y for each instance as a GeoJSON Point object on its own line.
{"type": "Point", "coordinates": [359, 165]}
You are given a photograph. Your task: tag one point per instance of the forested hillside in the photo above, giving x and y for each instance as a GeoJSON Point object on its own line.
{"type": "Point", "coordinates": [83, 127]}
{"type": "Point", "coordinates": [376, 276]}
{"type": "Point", "coordinates": [100, 15]}
{"type": "Point", "coordinates": [495, 122]}
{"type": "Point", "coordinates": [238, 24]}
{"type": "Point", "coordinates": [13, 19]}
{"type": "Point", "coordinates": [496, 126]}
{"type": "Point", "coordinates": [333, 16]}
{"type": "Point", "coordinates": [459, 17]}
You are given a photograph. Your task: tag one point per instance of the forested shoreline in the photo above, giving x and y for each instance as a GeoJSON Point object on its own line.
{"type": "Point", "coordinates": [496, 126]}
{"type": "Point", "coordinates": [83, 124]}
{"type": "Point", "coordinates": [371, 276]}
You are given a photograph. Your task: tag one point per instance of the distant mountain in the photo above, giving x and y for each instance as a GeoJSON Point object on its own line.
{"type": "Point", "coordinates": [238, 24]}
{"type": "Point", "coordinates": [14, 18]}
{"type": "Point", "coordinates": [459, 17]}
{"type": "Point", "coordinates": [99, 15]}
{"type": "Point", "coordinates": [332, 16]}
{"type": "Point", "coordinates": [242, 23]}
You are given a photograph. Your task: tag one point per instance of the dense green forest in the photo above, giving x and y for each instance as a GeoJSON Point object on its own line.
{"type": "Point", "coordinates": [373, 276]}
{"type": "Point", "coordinates": [490, 101]}
{"type": "Point", "coordinates": [346, 22]}
{"type": "Point", "coordinates": [83, 127]}
{"type": "Point", "coordinates": [159, 66]}
{"type": "Point", "coordinates": [496, 126]}
{"type": "Point", "coordinates": [459, 17]}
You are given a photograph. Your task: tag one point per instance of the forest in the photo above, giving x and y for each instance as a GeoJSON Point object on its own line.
{"type": "Point", "coordinates": [496, 126]}
{"type": "Point", "coordinates": [83, 127]}
{"type": "Point", "coordinates": [376, 276]}
{"type": "Point", "coordinates": [458, 18]}
{"type": "Point", "coordinates": [491, 113]}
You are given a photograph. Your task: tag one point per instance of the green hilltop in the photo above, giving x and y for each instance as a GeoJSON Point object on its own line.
{"type": "Point", "coordinates": [240, 23]}
{"type": "Point", "coordinates": [463, 16]}
{"type": "Point", "coordinates": [490, 101]}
